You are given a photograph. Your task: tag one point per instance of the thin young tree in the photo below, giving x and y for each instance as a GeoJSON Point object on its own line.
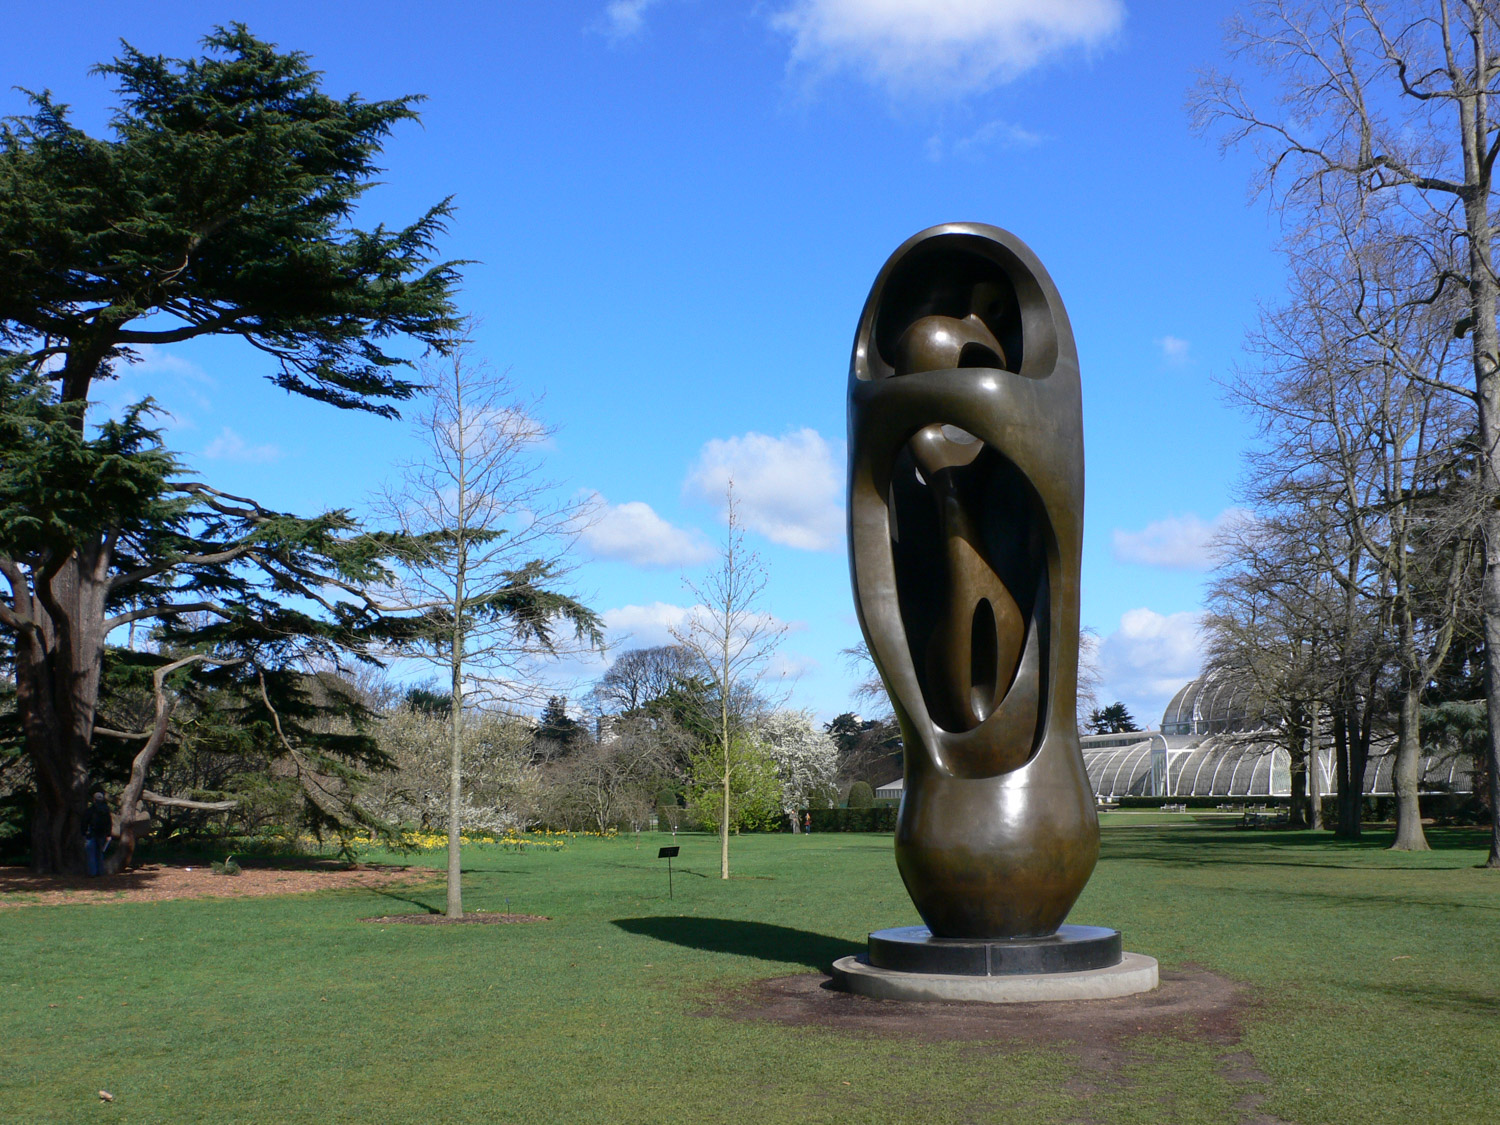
{"type": "Point", "coordinates": [733, 636]}
{"type": "Point", "coordinates": [1396, 103]}
{"type": "Point", "coordinates": [481, 551]}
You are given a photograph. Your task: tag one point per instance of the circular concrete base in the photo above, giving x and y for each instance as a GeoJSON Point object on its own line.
{"type": "Point", "coordinates": [1135, 973]}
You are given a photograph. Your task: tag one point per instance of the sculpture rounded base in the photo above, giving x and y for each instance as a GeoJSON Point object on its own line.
{"type": "Point", "coordinates": [1135, 973]}
{"type": "Point", "coordinates": [1072, 949]}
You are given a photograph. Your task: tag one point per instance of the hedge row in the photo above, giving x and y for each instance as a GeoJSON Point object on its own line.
{"type": "Point", "coordinates": [1460, 808]}
{"type": "Point", "coordinates": [1200, 802]}
{"type": "Point", "coordinates": [854, 820]}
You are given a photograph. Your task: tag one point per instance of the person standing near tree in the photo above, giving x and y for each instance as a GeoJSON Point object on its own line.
{"type": "Point", "coordinates": [98, 828]}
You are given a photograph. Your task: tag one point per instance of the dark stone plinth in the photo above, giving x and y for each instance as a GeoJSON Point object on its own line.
{"type": "Point", "coordinates": [1073, 949]}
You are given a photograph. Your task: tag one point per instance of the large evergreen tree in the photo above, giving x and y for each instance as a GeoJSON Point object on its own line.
{"type": "Point", "coordinates": [220, 204]}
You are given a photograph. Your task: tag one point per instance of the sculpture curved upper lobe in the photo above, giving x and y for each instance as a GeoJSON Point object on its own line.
{"type": "Point", "coordinates": [965, 529]}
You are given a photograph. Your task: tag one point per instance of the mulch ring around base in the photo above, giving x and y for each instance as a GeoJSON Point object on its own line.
{"type": "Point", "coordinates": [476, 917]}
{"type": "Point", "coordinates": [1190, 1003]}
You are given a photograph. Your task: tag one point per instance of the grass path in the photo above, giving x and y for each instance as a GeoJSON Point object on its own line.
{"type": "Point", "coordinates": [1375, 977]}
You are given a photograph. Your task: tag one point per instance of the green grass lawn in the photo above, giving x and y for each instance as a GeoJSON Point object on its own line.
{"type": "Point", "coordinates": [1374, 977]}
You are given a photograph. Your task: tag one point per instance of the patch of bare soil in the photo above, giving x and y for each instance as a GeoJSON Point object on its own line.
{"type": "Point", "coordinates": [1240, 1069]}
{"type": "Point", "coordinates": [1191, 1005]}
{"type": "Point", "coordinates": [476, 917]}
{"type": "Point", "coordinates": [154, 882]}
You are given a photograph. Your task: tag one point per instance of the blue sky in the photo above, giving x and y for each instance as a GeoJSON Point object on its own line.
{"type": "Point", "coordinates": [675, 210]}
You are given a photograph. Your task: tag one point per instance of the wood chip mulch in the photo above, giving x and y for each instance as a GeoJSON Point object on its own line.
{"type": "Point", "coordinates": [1191, 1003]}
{"type": "Point", "coordinates": [155, 882]}
{"type": "Point", "coordinates": [477, 917]}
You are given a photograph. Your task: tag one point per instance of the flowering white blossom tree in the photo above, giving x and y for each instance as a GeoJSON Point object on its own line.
{"type": "Point", "coordinates": [502, 789]}
{"type": "Point", "coordinates": [806, 757]}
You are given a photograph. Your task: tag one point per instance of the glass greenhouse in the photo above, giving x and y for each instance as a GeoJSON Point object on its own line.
{"type": "Point", "coordinates": [1209, 745]}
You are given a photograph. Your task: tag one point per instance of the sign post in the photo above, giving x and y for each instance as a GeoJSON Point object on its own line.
{"type": "Point", "coordinates": [668, 854]}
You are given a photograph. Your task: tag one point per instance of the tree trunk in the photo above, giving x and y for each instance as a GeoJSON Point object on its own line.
{"type": "Point", "coordinates": [130, 829]}
{"type": "Point", "coordinates": [1351, 751]}
{"type": "Point", "coordinates": [1492, 677]}
{"type": "Point", "coordinates": [57, 691]}
{"type": "Point", "coordinates": [1300, 810]}
{"type": "Point", "coordinates": [455, 798]}
{"type": "Point", "coordinates": [1314, 773]}
{"type": "Point", "coordinates": [724, 822]}
{"type": "Point", "coordinates": [1484, 296]}
{"type": "Point", "coordinates": [1406, 777]}
{"type": "Point", "coordinates": [1491, 598]}
{"type": "Point", "coordinates": [457, 647]}
{"type": "Point", "coordinates": [725, 686]}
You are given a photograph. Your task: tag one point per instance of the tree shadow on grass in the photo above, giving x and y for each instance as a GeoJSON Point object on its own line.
{"type": "Point", "coordinates": [658, 865]}
{"type": "Point", "coordinates": [1374, 900]}
{"type": "Point", "coordinates": [426, 907]}
{"type": "Point", "coordinates": [744, 939]}
{"type": "Point", "coordinates": [1434, 996]}
{"type": "Point", "coordinates": [1192, 845]}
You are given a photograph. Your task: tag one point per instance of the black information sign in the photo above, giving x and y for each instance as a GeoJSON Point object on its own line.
{"type": "Point", "coordinates": [668, 854]}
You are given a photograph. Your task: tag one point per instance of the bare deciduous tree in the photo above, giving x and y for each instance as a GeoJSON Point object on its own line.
{"type": "Point", "coordinates": [1394, 104]}
{"type": "Point", "coordinates": [482, 547]}
{"type": "Point", "coordinates": [1365, 454]}
{"type": "Point", "coordinates": [613, 781]}
{"type": "Point", "coordinates": [732, 635]}
{"type": "Point", "coordinates": [1090, 676]}
{"type": "Point", "coordinates": [501, 787]}
{"type": "Point", "coordinates": [640, 677]}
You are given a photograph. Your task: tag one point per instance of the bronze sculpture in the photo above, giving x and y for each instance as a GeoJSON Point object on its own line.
{"type": "Point", "coordinates": [965, 529]}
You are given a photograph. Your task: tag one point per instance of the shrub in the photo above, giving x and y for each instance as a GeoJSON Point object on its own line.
{"type": "Point", "coordinates": [861, 796]}
{"type": "Point", "coordinates": [754, 791]}
{"type": "Point", "coordinates": [853, 820]}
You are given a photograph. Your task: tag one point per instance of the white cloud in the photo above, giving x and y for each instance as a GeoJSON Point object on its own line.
{"type": "Point", "coordinates": [790, 489]}
{"type": "Point", "coordinates": [229, 446]}
{"type": "Point", "coordinates": [632, 532]}
{"type": "Point", "coordinates": [624, 19]}
{"type": "Point", "coordinates": [942, 46]}
{"type": "Point", "coordinates": [155, 360]}
{"type": "Point", "coordinates": [176, 384]}
{"type": "Point", "coordinates": [1177, 542]}
{"type": "Point", "coordinates": [992, 134]}
{"type": "Point", "coordinates": [642, 626]}
{"type": "Point", "coordinates": [1147, 659]}
{"type": "Point", "coordinates": [789, 666]}
{"type": "Point", "coordinates": [1174, 350]}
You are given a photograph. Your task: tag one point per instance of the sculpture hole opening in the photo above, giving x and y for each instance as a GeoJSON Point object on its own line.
{"type": "Point", "coordinates": [984, 660]}
{"type": "Point", "coordinates": [968, 543]}
{"type": "Point", "coordinates": [954, 278]}
{"type": "Point", "coordinates": [977, 355]}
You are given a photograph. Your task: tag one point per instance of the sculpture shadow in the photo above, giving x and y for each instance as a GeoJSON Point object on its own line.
{"type": "Point", "coordinates": [744, 939]}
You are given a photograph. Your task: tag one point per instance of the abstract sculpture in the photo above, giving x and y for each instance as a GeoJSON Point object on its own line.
{"type": "Point", "coordinates": [965, 529]}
